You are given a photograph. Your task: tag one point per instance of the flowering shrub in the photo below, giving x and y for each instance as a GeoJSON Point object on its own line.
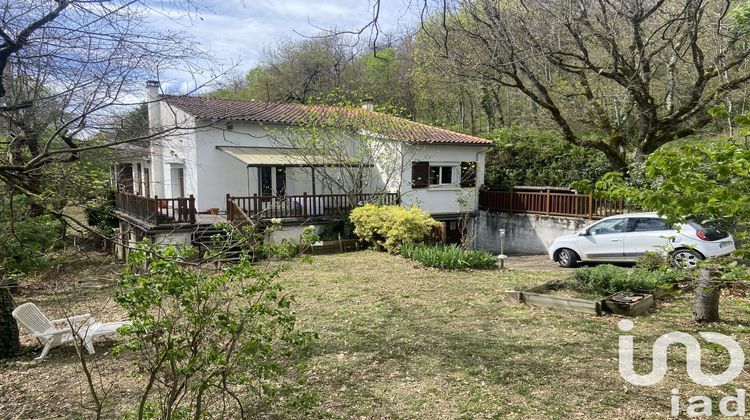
{"type": "Point", "coordinates": [391, 226]}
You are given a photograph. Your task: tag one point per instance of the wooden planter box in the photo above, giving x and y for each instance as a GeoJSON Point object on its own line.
{"type": "Point", "coordinates": [629, 309]}
{"type": "Point", "coordinates": [536, 296]}
{"type": "Point", "coordinates": [334, 247]}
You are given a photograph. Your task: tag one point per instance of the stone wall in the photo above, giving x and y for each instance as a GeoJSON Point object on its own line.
{"type": "Point", "coordinates": [524, 233]}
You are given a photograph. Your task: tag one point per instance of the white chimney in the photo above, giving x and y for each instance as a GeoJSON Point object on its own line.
{"type": "Point", "coordinates": [153, 88]}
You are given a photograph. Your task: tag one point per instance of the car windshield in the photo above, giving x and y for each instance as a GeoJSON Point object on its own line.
{"type": "Point", "coordinates": [710, 228]}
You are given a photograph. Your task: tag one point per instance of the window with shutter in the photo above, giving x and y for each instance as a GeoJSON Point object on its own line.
{"type": "Point", "coordinates": [468, 174]}
{"type": "Point", "coordinates": [420, 174]}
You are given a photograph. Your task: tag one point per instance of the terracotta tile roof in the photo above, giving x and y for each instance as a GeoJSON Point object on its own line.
{"type": "Point", "coordinates": [297, 114]}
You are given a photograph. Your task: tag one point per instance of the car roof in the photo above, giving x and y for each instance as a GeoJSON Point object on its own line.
{"type": "Point", "coordinates": [650, 214]}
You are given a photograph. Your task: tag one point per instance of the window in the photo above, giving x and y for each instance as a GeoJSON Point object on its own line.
{"type": "Point", "coordinates": [607, 227]}
{"type": "Point", "coordinates": [647, 224]}
{"type": "Point", "coordinates": [146, 182]}
{"type": "Point", "coordinates": [178, 181]}
{"type": "Point", "coordinates": [280, 181]}
{"type": "Point", "coordinates": [441, 175]}
{"type": "Point", "coordinates": [266, 182]}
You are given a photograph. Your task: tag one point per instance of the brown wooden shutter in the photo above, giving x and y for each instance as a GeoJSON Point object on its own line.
{"type": "Point", "coordinates": [420, 174]}
{"type": "Point", "coordinates": [468, 174]}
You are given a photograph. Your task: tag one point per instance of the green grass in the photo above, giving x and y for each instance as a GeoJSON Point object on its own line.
{"type": "Point", "coordinates": [402, 341]}
{"type": "Point", "coordinates": [451, 257]}
{"type": "Point", "coordinates": [398, 340]}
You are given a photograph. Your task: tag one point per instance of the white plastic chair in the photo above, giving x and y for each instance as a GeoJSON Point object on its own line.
{"type": "Point", "coordinates": [54, 333]}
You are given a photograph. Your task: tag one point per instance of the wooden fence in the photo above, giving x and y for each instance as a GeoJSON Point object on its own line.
{"type": "Point", "coordinates": [157, 211]}
{"type": "Point", "coordinates": [305, 205]}
{"type": "Point", "coordinates": [549, 203]}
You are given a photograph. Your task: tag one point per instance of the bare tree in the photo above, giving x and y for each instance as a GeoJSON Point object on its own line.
{"type": "Point", "coordinates": [622, 77]}
{"type": "Point", "coordinates": [68, 68]}
{"type": "Point", "coordinates": [352, 151]}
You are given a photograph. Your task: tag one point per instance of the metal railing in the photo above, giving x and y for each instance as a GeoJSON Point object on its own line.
{"type": "Point", "coordinates": [157, 211]}
{"type": "Point", "coordinates": [549, 203]}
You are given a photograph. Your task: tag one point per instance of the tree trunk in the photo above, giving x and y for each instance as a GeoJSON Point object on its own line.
{"type": "Point", "coordinates": [9, 343]}
{"type": "Point", "coordinates": [707, 294]}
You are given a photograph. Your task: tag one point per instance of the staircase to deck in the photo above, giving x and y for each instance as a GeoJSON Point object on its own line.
{"type": "Point", "coordinates": [204, 240]}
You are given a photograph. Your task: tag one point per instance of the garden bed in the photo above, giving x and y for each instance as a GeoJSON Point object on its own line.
{"type": "Point", "coordinates": [554, 295]}
{"type": "Point", "coordinates": [333, 247]}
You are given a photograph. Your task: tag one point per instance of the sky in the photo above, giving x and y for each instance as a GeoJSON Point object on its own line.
{"type": "Point", "coordinates": [236, 32]}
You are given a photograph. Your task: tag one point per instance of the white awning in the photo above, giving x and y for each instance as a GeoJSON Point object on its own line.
{"type": "Point", "coordinates": [271, 156]}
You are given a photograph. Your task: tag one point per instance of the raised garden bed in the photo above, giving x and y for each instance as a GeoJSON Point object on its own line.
{"type": "Point", "coordinates": [334, 247]}
{"type": "Point", "coordinates": [628, 304]}
{"type": "Point", "coordinates": [548, 295]}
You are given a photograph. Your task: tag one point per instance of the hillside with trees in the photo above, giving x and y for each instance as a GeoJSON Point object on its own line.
{"type": "Point", "coordinates": [617, 79]}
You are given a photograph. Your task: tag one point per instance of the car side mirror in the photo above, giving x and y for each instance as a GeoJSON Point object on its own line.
{"type": "Point", "coordinates": [584, 233]}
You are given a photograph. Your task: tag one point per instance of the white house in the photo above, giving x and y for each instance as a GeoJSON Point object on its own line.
{"type": "Point", "coordinates": [207, 154]}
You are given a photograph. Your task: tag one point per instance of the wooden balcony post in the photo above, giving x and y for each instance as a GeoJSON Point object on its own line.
{"type": "Point", "coordinates": [591, 206]}
{"type": "Point", "coordinates": [304, 204]}
{"type": "Point", "coordinates": [155, 213]}
{"type": "Point", "coordinates": [229, 207]}
{"type": "Point", "coordinates": [548, 201]}
{"type": "Point", "coordinates": [191, 208]}
{"type": "Point", "coordinates": [255, 203]}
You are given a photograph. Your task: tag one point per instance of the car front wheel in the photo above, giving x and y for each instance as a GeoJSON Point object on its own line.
{"type": "Point", "coordinates": [567, 258]}
{"type": "Point", "coordinates": [686, 258]}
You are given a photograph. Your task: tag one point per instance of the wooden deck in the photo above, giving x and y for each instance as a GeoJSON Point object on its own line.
{"type": "Point", "coordinates": [161, 213]}
{"type": "Point", "coordinates": [550, 204]}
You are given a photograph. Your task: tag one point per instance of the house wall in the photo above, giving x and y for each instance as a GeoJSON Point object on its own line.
{"type": "Point", "coordinates": [173, 149]}
{"type": "Point", "coordinates": [210, 174]}
{"type": "Point", "coordinates": [442, 200]}
{"type": "Point", "coordinates": [220, 174]}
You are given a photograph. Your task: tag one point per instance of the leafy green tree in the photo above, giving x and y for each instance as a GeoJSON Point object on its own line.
{"type": "Point", "coordinates": [210, 344]}
{"type": "Point", "coordinates": [623, 78]}
{"type": "Point", "coordinates": [710, 183]}
{"type": "Point", "coordinates": [529, 156]}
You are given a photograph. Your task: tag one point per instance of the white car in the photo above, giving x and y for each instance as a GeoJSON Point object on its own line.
{"type": "Point", "coordinates": [625, 237]}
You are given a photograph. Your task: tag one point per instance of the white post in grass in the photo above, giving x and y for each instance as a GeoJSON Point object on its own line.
{"type": "Point", "coordinates": [502, 257]}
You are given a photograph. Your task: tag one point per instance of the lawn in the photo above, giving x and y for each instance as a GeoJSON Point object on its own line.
{"type": "Point", "coordinates": [400, 341]}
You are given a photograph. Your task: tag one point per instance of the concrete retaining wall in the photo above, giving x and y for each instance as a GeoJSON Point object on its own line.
{"type": "Point", "coordinates": [524, 233]}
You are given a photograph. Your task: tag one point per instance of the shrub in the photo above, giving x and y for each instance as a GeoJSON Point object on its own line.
{"type": "Point", "coordinates": [25, 244]}
{"type": "Point", "coordinates": [391, 226]}
{"type": "Point", "coordinates": [608, 279]}
{"type": "Point", "coordinates": [653, 261]}
{"type": "Point", "coordinates": [450, 257]}
{"type": "Point", "coordinates": [208, 342]}
{"type": "Point", "coordinates": [342, 228]}
{"type": "Point", "coordinates": [529, 156]}
{"type": "Point", "coordinates": [101, 214]}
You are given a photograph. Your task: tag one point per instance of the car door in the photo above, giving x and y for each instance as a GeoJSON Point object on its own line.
{"type": "Point", "coordinates": [646, 234]}
{"type": "Point", "coordinates": [603, 241]}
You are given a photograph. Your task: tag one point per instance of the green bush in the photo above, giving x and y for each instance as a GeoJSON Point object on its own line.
{"type": "Point", "coordinates": [216, 336]}
{"type": "Point", "coordinates": [391, 226]}
{"type": "Point", "coordinates": [608, 279]}
{"type": "Point", "coordinates": [25, 243]}
{"type": "Point", "coordinates": [529, 156]}
{"type": "Point", "coordinates": [333, 230]}
{"type": "Point", "coordinates": [653, 261]}
{"type": "Point", "coordinates": [451, 257]}
{"type": "Point", "coordinates": [101, 214]}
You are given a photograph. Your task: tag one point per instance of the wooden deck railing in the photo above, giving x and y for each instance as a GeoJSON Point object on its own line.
{"type": "Point", "coordinates": [157, 211]}
{"type": "Point", "coordinates": [549, 203]}
{"type": "Point", "coordinates": [305, 205]}
{"type": "Point", "coordinates": [236, 215]}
